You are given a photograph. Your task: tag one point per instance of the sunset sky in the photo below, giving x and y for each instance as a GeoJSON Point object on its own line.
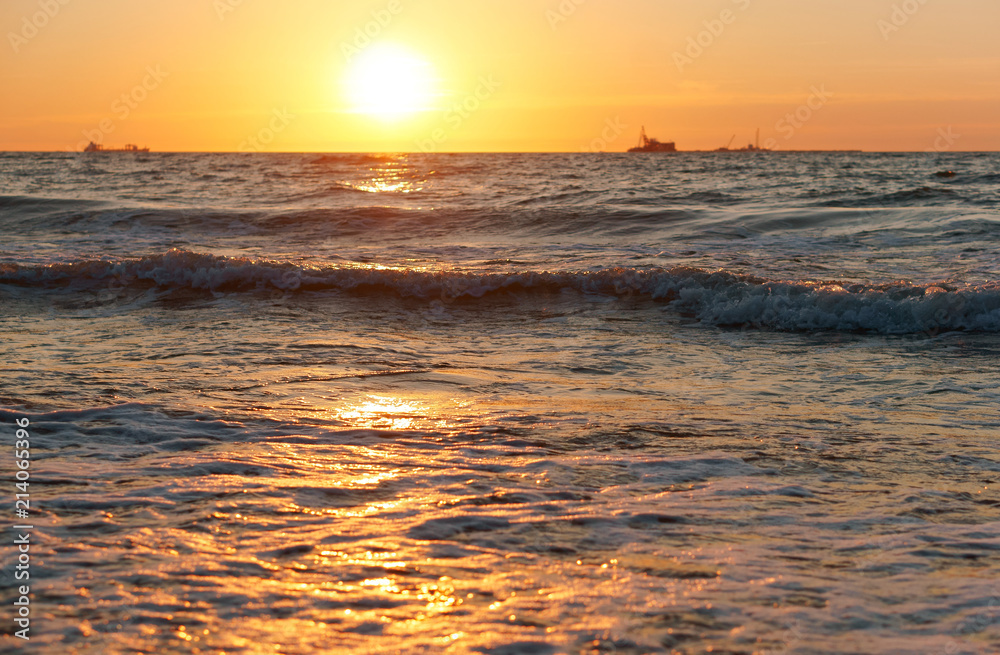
{"type": "Point", "coordinates": [510, 75]}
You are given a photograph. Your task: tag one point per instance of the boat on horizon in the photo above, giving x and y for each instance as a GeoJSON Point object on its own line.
{"type": "Point", "coordinates": [647, 144]}
{"type": "Point", "coordinates": [129, 147]}
{"type": "Point", "coordinates": [751, 147]}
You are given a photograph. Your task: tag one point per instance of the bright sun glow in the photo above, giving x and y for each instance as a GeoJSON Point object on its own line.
{"type": "Point", "coordinates": [389, 82]}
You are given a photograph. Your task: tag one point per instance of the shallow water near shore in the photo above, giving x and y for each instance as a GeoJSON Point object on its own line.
{"type": "Point", "coordinates": [505, 403]}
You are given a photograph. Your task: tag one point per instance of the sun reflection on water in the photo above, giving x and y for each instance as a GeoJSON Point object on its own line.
{"type": "Point", "coordinates": [380, 412]}
{"type": "Point", "coordinates": [391, 177]}
{"type": "Point", "coordinates": [386, 185]}
{"type": "Point", "coordinates": [383, 413]}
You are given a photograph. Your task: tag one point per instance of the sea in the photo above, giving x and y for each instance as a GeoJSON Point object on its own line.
{"type": "Point", "coordinates": [728, 403]}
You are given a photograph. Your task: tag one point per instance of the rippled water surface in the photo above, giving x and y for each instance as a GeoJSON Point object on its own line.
{"type": "Point", "coordinates": [505, 404]}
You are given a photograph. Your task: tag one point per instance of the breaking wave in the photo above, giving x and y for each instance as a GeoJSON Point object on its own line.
{"type": "Point", "coordinates": [718, 297]}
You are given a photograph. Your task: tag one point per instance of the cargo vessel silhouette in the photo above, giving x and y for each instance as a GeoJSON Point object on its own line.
{"type": "Point", "coordinates": [752, 147]}
{"type": "Point", "coordinates": [647, 144]}
{"type": "Point", "coordinates": [129, 147]}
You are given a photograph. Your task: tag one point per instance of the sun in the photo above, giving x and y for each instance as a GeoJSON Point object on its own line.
{"type": "Point", "coordinates": [389, 82]}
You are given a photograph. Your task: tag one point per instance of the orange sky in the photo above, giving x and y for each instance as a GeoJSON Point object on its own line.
{"type": "Point", "coordinates": [551, 75]}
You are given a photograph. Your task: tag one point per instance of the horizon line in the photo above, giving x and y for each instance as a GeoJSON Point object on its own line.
{"type": "Point", "coordinates": [507, 152]}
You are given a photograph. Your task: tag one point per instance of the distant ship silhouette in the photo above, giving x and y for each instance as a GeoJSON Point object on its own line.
{"type": "Point", "coordinates": [652, 145]}
{"type": "Point", "coordinates": [647, 144]}
{"type": "Point", "coordinates": [752, 147]}
{"type": "Point", "coordinates": [129, 147]}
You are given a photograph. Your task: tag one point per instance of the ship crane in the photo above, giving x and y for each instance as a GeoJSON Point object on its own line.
{"type": "Point", "coordinates": [647, 144]}
{"type": "Point", "coordinates": [643, 139]}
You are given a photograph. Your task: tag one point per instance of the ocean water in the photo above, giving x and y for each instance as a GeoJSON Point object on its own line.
{"type": "Point", "coordinates": [504, 404]}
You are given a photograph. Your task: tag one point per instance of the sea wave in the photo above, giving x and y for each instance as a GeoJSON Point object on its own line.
{"type": "Point", "coordinates": [42, 205]}
{"type": "Point", "coordinates": [714, 297]}
{"type": "Point", "coordinates": [303, 221]}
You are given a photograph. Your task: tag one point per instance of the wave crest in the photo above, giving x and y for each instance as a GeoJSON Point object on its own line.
{"type": "Point", "coordinates": [720, 298]}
